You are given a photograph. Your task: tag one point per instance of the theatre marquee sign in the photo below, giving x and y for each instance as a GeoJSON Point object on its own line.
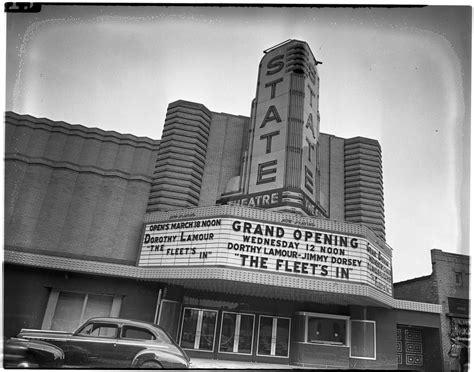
{"type": "Point", "coordinates": [266, 247]}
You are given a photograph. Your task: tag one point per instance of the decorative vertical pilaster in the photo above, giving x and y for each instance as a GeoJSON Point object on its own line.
{"type": "Point", "coordinates": [363, 184]}
{"type": "Point", "coordinates": [181, 157]}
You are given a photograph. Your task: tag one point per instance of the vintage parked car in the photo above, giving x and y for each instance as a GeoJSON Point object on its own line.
{"type": "Point", "coordinates": [114, 343]}
{"type": "Point", "coordinates": [23, 353]}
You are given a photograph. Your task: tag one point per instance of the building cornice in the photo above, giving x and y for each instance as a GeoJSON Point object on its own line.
{"type": "Point", "coordinates": [80, 130]}
{"type": "Point", "coordinates": [78, 168]}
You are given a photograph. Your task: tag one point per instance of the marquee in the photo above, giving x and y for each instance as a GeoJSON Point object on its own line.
{"type": "Point", "coordinates": [269, 247]}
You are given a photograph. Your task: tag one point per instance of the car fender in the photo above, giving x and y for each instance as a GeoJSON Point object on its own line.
{"type": "Point", "coordinates": [165, 359]}
{"type": "Point", "coordinates": [144, 356]}
{"type": "Point", "coordinates": [20, 352]}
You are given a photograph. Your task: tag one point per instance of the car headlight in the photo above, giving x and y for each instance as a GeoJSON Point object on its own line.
{"type": "Point", "coordinates": [26, 365]}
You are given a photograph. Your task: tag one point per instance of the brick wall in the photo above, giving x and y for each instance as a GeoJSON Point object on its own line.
{"type": "Point", "coordinates": [445, 267]}
{"type": "Point", "coordinates": [449, 279]}
{"type": "Point", "coordinates": [421, 289]}
{"type": "Point", "coordinates": [75, 191]}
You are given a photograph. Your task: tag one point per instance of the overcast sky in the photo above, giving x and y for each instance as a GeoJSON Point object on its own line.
{"type": "Point", "coordinates": [398, 75]}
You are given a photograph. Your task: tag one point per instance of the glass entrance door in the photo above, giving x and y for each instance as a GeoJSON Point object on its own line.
{"type": "Point", "coordinates": [273, 336]}
{"type": "Point", "coordinates": [236, 333]}
{"type": "Point", "coordinates": [198, 331]}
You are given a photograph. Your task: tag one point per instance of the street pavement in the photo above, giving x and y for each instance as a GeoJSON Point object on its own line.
{"type": "Point", "coordinates": [199, 363]}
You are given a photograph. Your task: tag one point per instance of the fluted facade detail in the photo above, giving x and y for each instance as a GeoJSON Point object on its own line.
{"type": "Point", "coordinates": [363, 184]}
{"type": "Point", "coordinates": [181, 157]}
{"type": "Point", "coordinates": [294, 144]}
{"type": "Point", "coordinates": [73, 190]}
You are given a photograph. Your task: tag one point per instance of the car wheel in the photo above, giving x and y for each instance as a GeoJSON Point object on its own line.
{"type": "Point", "coordinates": [151, 364]}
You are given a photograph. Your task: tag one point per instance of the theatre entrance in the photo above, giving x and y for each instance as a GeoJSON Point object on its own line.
{"type": "Point", "coordinates": [245, 336]}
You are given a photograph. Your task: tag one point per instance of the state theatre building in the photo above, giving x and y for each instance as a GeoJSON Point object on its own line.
{"type": "Point", "coordinates": [255, 238]}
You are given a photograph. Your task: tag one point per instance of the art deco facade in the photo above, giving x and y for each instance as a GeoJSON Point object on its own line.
{"type": "Point", "coordinates": [252, 238]}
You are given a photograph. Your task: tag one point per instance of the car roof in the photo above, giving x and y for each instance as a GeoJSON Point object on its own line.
{"type": "Point", "coordinates": [123, 321]}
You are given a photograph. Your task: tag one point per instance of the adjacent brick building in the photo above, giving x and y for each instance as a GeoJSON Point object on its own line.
{"type": "Point", "coordinates": [447, 285]}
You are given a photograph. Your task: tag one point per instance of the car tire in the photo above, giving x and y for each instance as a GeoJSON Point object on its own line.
{"type": "Point", "coordinates": [151, 364]}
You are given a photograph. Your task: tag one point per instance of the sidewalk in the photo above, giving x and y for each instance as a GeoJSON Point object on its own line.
{"type": "Point", "coordinates": [198, 363]}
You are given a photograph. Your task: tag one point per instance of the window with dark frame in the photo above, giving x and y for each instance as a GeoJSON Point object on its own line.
{"type": "Point", "coordinates": [326, 330]}
{"type": "Point", "coordinates": [198, 329]}
{"type": "Point", "coordinates": [137, 333]}
{"type": "Point", "coordinates": [66, 310]}
{"type": "Point", "coordinates": [363, 339]}
{"type": "Point", "coordinates": [236, 333]}
{"type": "Point", "coordinates": [273, 336]}
{"type": "Point", "coordinates": [102, 330]}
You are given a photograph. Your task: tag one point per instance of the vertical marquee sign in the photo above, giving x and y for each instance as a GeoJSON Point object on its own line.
{"type": "Point", "coordinates": [283, 151]}
{"type": "Point", "coordinates": [268, 152]}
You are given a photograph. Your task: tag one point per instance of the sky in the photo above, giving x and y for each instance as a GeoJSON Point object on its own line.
{"type": "Point", "coordinates": [399, 75]}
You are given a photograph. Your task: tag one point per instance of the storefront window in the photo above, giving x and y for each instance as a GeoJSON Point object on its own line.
{"type": "Point", "coordinates": [265, 335]}
{"type": "Point", "coordinates": [326, 330]}
{"type": "Point", "coordinates": [319, 328]}
{"type": "Point", "coordinates": [246, 334]}
{"type": "Point", "coordinates": [273, 336]}
{"type": "Point", "coordinates": [227, 332]}
{"type": "Point", "coordinates": [236, 333]}
{"type": "Point", "coordinates": [66, 310]}
{"type": "Point", "coordinates": [188, 333]}
{"type": "Point", "coordinates": [67, 315]}
{"type": "Point", "coordinates": [363, 339]}
{"type": "Point", "coordinates": [198, 330]}
{"type": "Point", "coordinates": [208, 330]}
{"type": "Point", "coordinates": [282, 337]}
{"type": "Point", "coordinates": [97, 305]}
